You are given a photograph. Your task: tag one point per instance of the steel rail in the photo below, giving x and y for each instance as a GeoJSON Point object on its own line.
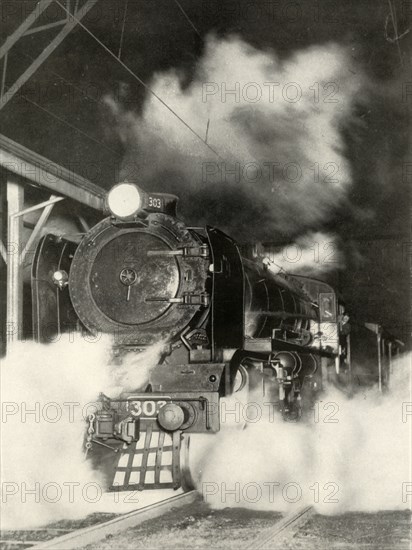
{"type": "Point", "coordinates": [89, 535]}
{"type": "Point", "coordinates": [293, 520]}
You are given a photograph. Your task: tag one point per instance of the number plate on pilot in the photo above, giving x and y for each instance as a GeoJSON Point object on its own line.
{"type": "Point", "coordinates": [143, 407]}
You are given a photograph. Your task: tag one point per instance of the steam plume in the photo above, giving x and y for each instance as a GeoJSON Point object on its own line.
{"type": "Point", "coordinates": [47, 393]}
{"type": "Point", "coordinates": [282, 167]}
{"type": "Point", "coordinates": [351, 454]}
{"type": "Point", "coordinates": [311, 254]}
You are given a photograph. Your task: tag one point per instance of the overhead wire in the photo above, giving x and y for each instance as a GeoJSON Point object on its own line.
{"type": "Point", "coordinates": [138, 79]}
{"type": "Point", "coordinates": [123, 27]}
{"type": "Point", "coordinates": [188, 18]}
{"type": "Point", "coordinates": [395, 28]}
{"type": "Point", "coordinates": [199, 35]}
{"type": "Point", "coordinates": [63, 121]}
{"type": "Point", "coordinates": [197, 32]}
{"type": "Point", "coordinates": [55, 73]}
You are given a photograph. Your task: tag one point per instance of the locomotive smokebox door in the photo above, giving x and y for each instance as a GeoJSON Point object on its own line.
{"type": "Point", "coordinates": [132, 280]}
{"type": "Point", "coordinates": [124, 267]}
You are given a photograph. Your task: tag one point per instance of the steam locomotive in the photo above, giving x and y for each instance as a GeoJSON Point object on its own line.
{"type": "Point", "coordinates": [227, 323]}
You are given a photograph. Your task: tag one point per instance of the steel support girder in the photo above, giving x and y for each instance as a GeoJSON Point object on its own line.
{"type": "Point", "coordinates": [21, 166]}
{"type": "Point", "coordinates": [58, 180]}
{"type": "Point", "coordinates": [15, 200]}
{"type": "Point", "coordinates": [21, 30]}
{"type": "Point", "coordinates": [3, 252]}
{"type": "Point", "coordinates": [16, 252]}
{"type": "Point", "coordinates": [44, 216]}
{"type": "Point", "coordinates": [69, 25]}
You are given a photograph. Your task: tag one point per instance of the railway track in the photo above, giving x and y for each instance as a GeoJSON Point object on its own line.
{"type": "Point", "coordinates": [291, 522]}
{"type": "Point", "coordinates": [88, 535]}
{"type": "Point", "coordinates": [187, 521]}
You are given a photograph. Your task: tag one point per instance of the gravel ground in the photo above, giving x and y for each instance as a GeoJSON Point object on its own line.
{"type": "Point", "coordinates": [196, 526]}
{"type": "Point", "coordinates": [352, 531]}
{"type": "Point", "coordinates": [55, 529]}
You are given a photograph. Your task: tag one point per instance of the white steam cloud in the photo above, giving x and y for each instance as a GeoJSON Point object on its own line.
{"type": "Point", "coordinates": [282, 167]}
{"type": "Point", "coordinates": [47, 392]}
{"type": "Point", "coordinates": [354, 454]}
{"type": "Point", "coordinates": [312, 254]}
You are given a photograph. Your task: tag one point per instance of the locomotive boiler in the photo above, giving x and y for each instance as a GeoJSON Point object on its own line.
{"type": "Point", "coordinates": [227, 324]}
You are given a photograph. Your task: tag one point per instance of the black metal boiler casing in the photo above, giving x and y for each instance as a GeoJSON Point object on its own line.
{"type": "Point", "coordinates": [154, 278]}
{"type": "Point", "coordinates": [275, 305]}
{"type": "Point", "coordinates": [140, 281]}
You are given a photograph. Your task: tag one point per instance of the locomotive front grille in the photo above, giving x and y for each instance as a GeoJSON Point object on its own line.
{"type": "Point", "coordinates": [153, 462]}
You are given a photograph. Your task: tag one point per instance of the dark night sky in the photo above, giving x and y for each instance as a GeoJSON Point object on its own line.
{"type": "Point", "coordinates": [157, 36]}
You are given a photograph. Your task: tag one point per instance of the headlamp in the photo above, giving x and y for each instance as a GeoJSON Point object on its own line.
{"type": "Point", "coordinates": [60, 278]}
{"type": "Point", "coordinates": [124, 200]}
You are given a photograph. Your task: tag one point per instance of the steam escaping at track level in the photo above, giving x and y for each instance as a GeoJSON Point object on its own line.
{"type": "Point", "coordinates": [282, 166]}
{"type": "Point", "coordinates": [47, 393]}
{"type": "Point", "coordinates": [353, 454]}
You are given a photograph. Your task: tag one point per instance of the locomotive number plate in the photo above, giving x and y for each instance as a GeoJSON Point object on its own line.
{"type": "Point", "coordinates": [155, 202]}
{"type": "Point", "coordinates": [146, 408]}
